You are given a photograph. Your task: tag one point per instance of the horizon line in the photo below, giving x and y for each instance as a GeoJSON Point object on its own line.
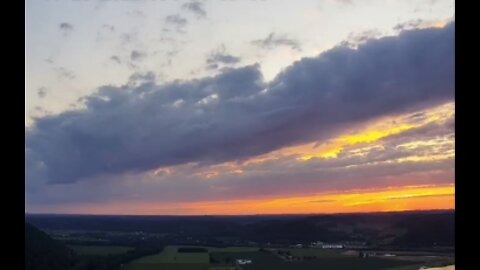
{"type": "Point", "coordinates": [240, 215]}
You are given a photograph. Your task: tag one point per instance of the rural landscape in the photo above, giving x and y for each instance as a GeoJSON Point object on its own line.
{"type": "Point", "coordinates": [240, 135]}
{"type": "Point", "coordinates": [400, 241]}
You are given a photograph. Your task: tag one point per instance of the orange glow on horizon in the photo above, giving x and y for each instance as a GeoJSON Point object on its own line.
{"type": "Point", "coordinates": [407, 198]}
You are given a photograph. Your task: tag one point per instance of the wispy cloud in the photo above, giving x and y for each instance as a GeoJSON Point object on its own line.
{"type": "Point", "coordinates": [141, 77]}
{"type": "Point", "coordinates": [274, 40]}
{"type": "Point", "coordinates": [197, 8]}
{"type": "Point", "coordinates": [136, 55]}
{"type": "Point", "coordinates": [64, 73]}
{"type": "Point", "coordinates": [108, 27]}
{"type": "Point", "coordinates": [136, 14]}
{"type": "Point", "coordinates": [221, 57]}
{"type": "Point", "coordinates": [356, 39]}
{"type": "Point", "coordinates": [115, 59]}
{"type": "Point", "coordinates": [419, 24]}
{"type": "Point", "coordinates": [66, 28]}
{"type": "Point", "coordinates": [42, 92]}
{"type": "Point", "coordinates": [176, 21]}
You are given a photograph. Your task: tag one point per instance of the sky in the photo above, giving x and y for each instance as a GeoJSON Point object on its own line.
{"type": "Point", "coordinates": [207, 107]}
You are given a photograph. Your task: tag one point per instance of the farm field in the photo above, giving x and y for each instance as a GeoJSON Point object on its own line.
{"type": "Point", "coordinates": [264, 261]}
{"type": "Point", "coordinates": [99, 250]}
{"type": "Point", "coordinates": [320, 253]}
{"type": "Point", "coordinates": [171, 258]}
{"type": "Point", "coordinates": [166, 266]}
{"type": "Point", "coordinates": [223, 258]}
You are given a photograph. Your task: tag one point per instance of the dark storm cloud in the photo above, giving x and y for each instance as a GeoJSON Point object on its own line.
{"type": "Point", "coordinates": [236, 114]}
{"type": "Point", "coordinates": [196, 8]}
{"type": "Point", "coordinates": [273, 40]}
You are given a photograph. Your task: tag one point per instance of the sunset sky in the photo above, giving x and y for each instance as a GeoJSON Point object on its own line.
{"type": "Point", "coordinates": [239, 107]}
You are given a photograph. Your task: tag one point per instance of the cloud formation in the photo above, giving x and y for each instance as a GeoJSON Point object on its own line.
{"type": "Point", "coordinates": [64, 73]}
{"type": "Point", "coordinates": [236, 115]}
{"type": "Point", "coordinates": [177, 21]}
{"type": "Point", "coordinates": [66, 28]}
{"type": "Point", "coordinates": [109, 27]}
{"type": "Point", "coordinates": [274, 40]}
{"type": "Point", "coordinates": [355, 39]}
{"type": "Point", "coordinates": [419, 24]}
{"type": "Point", "coordinates": [196, 8]}
{"type": "Point", "coordinates": [115, 59]}
{"type": "Point", "coordinates": [42, 92]}
{"type": "Point", "coordinates": [136, 55]}
{"type": "Point", "coordinates": [221, 57]}
{"type": "Point", "coordinates": [139, 78]}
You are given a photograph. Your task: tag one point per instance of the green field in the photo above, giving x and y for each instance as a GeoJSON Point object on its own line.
{"type": "Point", "coordinates": [320, 253]}
{"type": "Point", "coordinates": [329, 261]}
{"type": "Point", "coordinates": [171, 259]}
{"type": "Point", "coordinates": [166, 266]}
{"type": "Point", "coordinates": [99, 250]}
{"type": "Point", "coordinates": [170, 255]}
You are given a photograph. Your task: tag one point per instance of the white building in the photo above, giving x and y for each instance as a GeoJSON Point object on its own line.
{"type": "Point", "coordinates": [332, 246]}
{"type": "Point", "coordinates": [244, 261]}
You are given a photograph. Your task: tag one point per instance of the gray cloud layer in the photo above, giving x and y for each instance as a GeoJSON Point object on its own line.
{"type": "Point", "coordinates": [236, 115]}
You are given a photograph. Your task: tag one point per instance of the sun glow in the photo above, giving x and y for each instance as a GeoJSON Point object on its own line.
{"type": "Point", "coordinates": [422, 197]}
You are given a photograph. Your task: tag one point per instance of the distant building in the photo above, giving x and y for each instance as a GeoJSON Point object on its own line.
{"type": "Point", "coordinates": [332, 246]}
{"type": "Point", "coordinates": [316, 244]}
{"type": "Point", "coordinates": [355, 244]}
{"type": "Point", "coordinates": [244, 261]}
{"type": "Point", "coordinates": [366, 254]}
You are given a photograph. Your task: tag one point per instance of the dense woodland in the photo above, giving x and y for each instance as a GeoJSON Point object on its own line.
{"type": "Point", "coordinates": [44, 253]}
